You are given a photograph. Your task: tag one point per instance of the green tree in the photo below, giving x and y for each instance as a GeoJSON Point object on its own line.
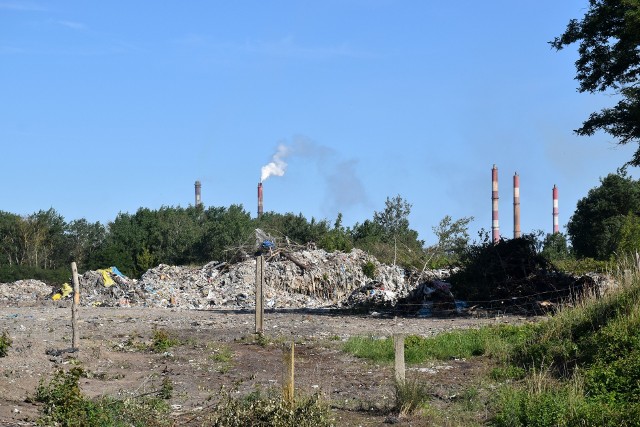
{"type": "Point", "coordinates": [9, 238]}
{"type": "Point", "coordinates": [595, 226]}
{"type": "Point", "coordinates": [609, 61]}
{"type": "Point", "coordinates": [84, 239]}
{"type": "Point", "coordinates": [453, 239]}
{"type": "Point", "coordinates": [394, 221]}
{"type": "Point", "coordinates": [554, 247]}
{"type": "Point", "coordinates": [225, 231]}
{"type": "Point", "coordinates": [337, 238]}
{"type": "Point", "coordinates": [629, 235]}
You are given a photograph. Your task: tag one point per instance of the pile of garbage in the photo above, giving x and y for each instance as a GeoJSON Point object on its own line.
{"type": "Point", "coordinates": [303, 279]}
{"type": "Point", "coordinates": [24, 291]}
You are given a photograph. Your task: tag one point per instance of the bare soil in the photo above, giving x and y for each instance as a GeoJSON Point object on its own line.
{"type": "Point", "coordinates": [114, 352]}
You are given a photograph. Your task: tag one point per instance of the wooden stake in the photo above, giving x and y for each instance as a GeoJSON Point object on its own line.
{"type": "Point", "coordinates": [259, 295]}
{"type": "Point", "coordinates": [74, 308]}
{"type": "Point", "coordinates": [398, 345]}
{"type": "Point", "coordinates": [288, 372]}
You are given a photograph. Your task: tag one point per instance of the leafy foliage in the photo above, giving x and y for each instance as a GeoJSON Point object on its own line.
{"type": "Point", "coordinates": [555, 247]}
{"type": "Point", "coordinates": [596, 226]}
{"type": "Point", "coordinates": [453, 240]}
{"type": "Point", "coordinates": [35, 245]}
{"type": "Point", "coordinates": [66, 406]}
{"type": "Point", "coordinates": [495, 271]}
{"type": "Point", "coordinates": [609, 60]}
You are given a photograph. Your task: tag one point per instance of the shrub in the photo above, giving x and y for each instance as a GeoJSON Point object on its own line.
{"type": "Point", "coordinates": [65, 406]}
{"type": "Point", "coordinates": [162, 341]}
{"type": "Point", "coordinates": [270, 409]}
{"type": "Point", "coordinates": [369, 270]}
{"type": "Point", "coordinates": [411, 396]}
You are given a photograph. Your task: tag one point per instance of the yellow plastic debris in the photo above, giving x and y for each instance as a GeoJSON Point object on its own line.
{"type": "Point", "coordinates": [108, 281]}
{"type": "Point", "coordinates": [56, 297]}
{"type": "Point", "coordinates": [66, 290]}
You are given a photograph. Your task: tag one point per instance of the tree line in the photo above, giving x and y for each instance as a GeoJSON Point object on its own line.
{"type": "Point", "coordinates": [43, 244]}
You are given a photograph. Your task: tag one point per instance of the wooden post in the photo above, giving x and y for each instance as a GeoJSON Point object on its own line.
{"type": "Point", "coordinates": [288, 372]}
{"type": "Point", "coordinates": [74, 308]}
{"type": "Point", "coordinates": [398, 345]}
{"type": "Point", "coordinates": [259, 295]}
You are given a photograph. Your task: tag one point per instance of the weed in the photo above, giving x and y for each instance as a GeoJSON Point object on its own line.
{"type": "Point", "coordinates": [65, 406]}
{"type": "Point", "coordinates": [222, 354]}
{"type": "Point", "coordinates": [369, 270]}
{"type": "Point", "coordinates": [5, 343]}
{"type": "Point", "coordinates": [166, 389]}
{"type": "Point", "coordinates": [411, 396]}
{"type": "Point", "coordinates": [162, 341]}
{"type": "Point", "coordinates": [270, 409]}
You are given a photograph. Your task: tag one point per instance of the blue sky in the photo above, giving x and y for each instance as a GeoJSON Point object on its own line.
{"type": "Point", "coordinates": [109, 106]}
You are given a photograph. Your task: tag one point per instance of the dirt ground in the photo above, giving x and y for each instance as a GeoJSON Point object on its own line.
{"type": "Point", "coordinates": [113, 354]}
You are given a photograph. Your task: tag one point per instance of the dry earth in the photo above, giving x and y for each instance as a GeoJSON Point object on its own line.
{"type": "Point", "coordinates": [112, 353]}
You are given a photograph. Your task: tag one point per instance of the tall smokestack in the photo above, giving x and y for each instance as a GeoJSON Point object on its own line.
{"type": "Point", "coordinates": [198, 197]}
{"type": "Point", "coordinates": [259, 199]}
{"type": "Point", "coordinates": [495, 228]}
{"type": "Point", "coordinates": [556, 226]}
{"type": "Point", "coordinates": [516, 206]}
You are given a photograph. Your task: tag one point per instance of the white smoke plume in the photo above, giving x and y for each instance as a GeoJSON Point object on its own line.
{"type": "Point", "coordinates": [342, 185]}
{"type": "Point", "coordinates": [277, 165]}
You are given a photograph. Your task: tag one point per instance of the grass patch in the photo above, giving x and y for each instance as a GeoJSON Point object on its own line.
{"type": "Point", "coordinates": [489, 340]}
{"type": "Point", "coordinates": [224, 356]}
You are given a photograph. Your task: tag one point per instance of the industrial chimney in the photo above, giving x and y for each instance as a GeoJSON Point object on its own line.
{"type": "Point", "coordinates": [556, 226]}
{"type": "Point", "coordinates": [198, 197]}
{"type": "Point", "coordinates": [516, 206]}
{"type": "Point", "coordinates": [259, 199]}
{"type": "Point", "coordinates": [494, 203]}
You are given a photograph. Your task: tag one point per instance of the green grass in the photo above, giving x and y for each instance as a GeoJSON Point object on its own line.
{"type": "Point", "coordinates": [582, 365]}
{"type": "Point", "coordinates": [490, 341]}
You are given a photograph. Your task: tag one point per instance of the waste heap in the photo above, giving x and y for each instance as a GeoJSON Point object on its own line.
{"type": "Point", "coordinates": [24, 291]}
{"type": "Point", "coordinates": [303, 279]}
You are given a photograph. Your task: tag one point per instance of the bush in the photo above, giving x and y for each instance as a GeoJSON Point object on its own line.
{"type": "Point", "coordinates": [369, 270]}
{"type": "Point", "coordinates": [411, 396]}
{"type": "Point", "coordinates": [270, 409]}
{"type": "Point", "coordinates": [65, 406]}
{"type": "Point", "coordinates": [162, 341]}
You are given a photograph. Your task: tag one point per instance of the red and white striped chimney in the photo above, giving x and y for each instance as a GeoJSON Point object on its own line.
{"type": "Point", "coordinates": [516, 206]}
{"type": "Point", "coordinates": [556, 226]}
{"type": "Point", "coordinates": [259, 199]}
{"type": "Point", "coordinates": [495, 228]}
